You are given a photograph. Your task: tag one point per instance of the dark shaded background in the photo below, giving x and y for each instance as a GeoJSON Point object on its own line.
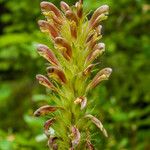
{"type": "Point", "coordinates": [122, 102]}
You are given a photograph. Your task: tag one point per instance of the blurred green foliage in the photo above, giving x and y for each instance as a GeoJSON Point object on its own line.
{"type": "Point", "coordinates": [122, 103]}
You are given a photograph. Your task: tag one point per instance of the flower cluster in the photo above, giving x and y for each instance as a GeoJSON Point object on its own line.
{"type": "Point", "coordinates": [76, 47]}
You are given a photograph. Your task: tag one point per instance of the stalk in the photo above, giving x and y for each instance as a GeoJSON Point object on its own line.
{"type": "Point", "coordinates": [77, 45]}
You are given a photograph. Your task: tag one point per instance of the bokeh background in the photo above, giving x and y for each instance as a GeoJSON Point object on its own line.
{"type": "Point", "coordinates": [123, 102]}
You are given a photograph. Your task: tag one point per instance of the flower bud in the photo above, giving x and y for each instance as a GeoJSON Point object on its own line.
{"type": "Point", "coordinates": [45, 52]}
{"type": "Point", "coordinates": [62, 42]}
{"type": "Point", "coordinates": [49, 28]}
{"type": "Point", "coordinates": [101, 10]}
{"type": "Point", "coordinates": [45, 82]}
{"type": "Point", "coordinates": [97, 51]}
{"type": "Point", "coordinates": [47, 125]}
{"type": "Point", "coordinates": [71, 16]}
{"type": "Point", "coordinates": [97, 21]}
{"type": "Point", "coordinates": [100, 76]}
{"type": "Point", "coordinates": [47, 6]}
{"type": "Point", "coordinates": [55, 71]}
{"type": "Point", "coordinates": [98, 124]}
{"type": "Point", "coordinates": [64, 6]}
{"type": "Point", "coordinates": [44, 110]}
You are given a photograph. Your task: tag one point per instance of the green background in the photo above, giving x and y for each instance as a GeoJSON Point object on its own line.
{"type": "Point", "coordinates": [122, 102]}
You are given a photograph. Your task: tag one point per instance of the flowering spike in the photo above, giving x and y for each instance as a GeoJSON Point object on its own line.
{"type": "Point", "coordinates": [44, 51]}
{"type": "Point", "coordinates": [76, 42]}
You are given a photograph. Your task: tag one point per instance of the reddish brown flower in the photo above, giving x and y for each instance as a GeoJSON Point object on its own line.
{"type": "Point", "coordinates": [48, 28]}
{"type": "Point", "coordinates": [44, 110]}
{"type": "Point", "coordinates": [44, 51]}
{"type": "Point", "coordinates": [62, 42]}
{"type": "Point", "coordinates": [64, 6]}
{"type": "Point", "coordinates": [45, 82]}
{"type": "Point", "coordinates": [57, 72]}
{"type": "Point", "coordinates": [47, 6]}
{"type": "Point", "coordinates": [47, 125]}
